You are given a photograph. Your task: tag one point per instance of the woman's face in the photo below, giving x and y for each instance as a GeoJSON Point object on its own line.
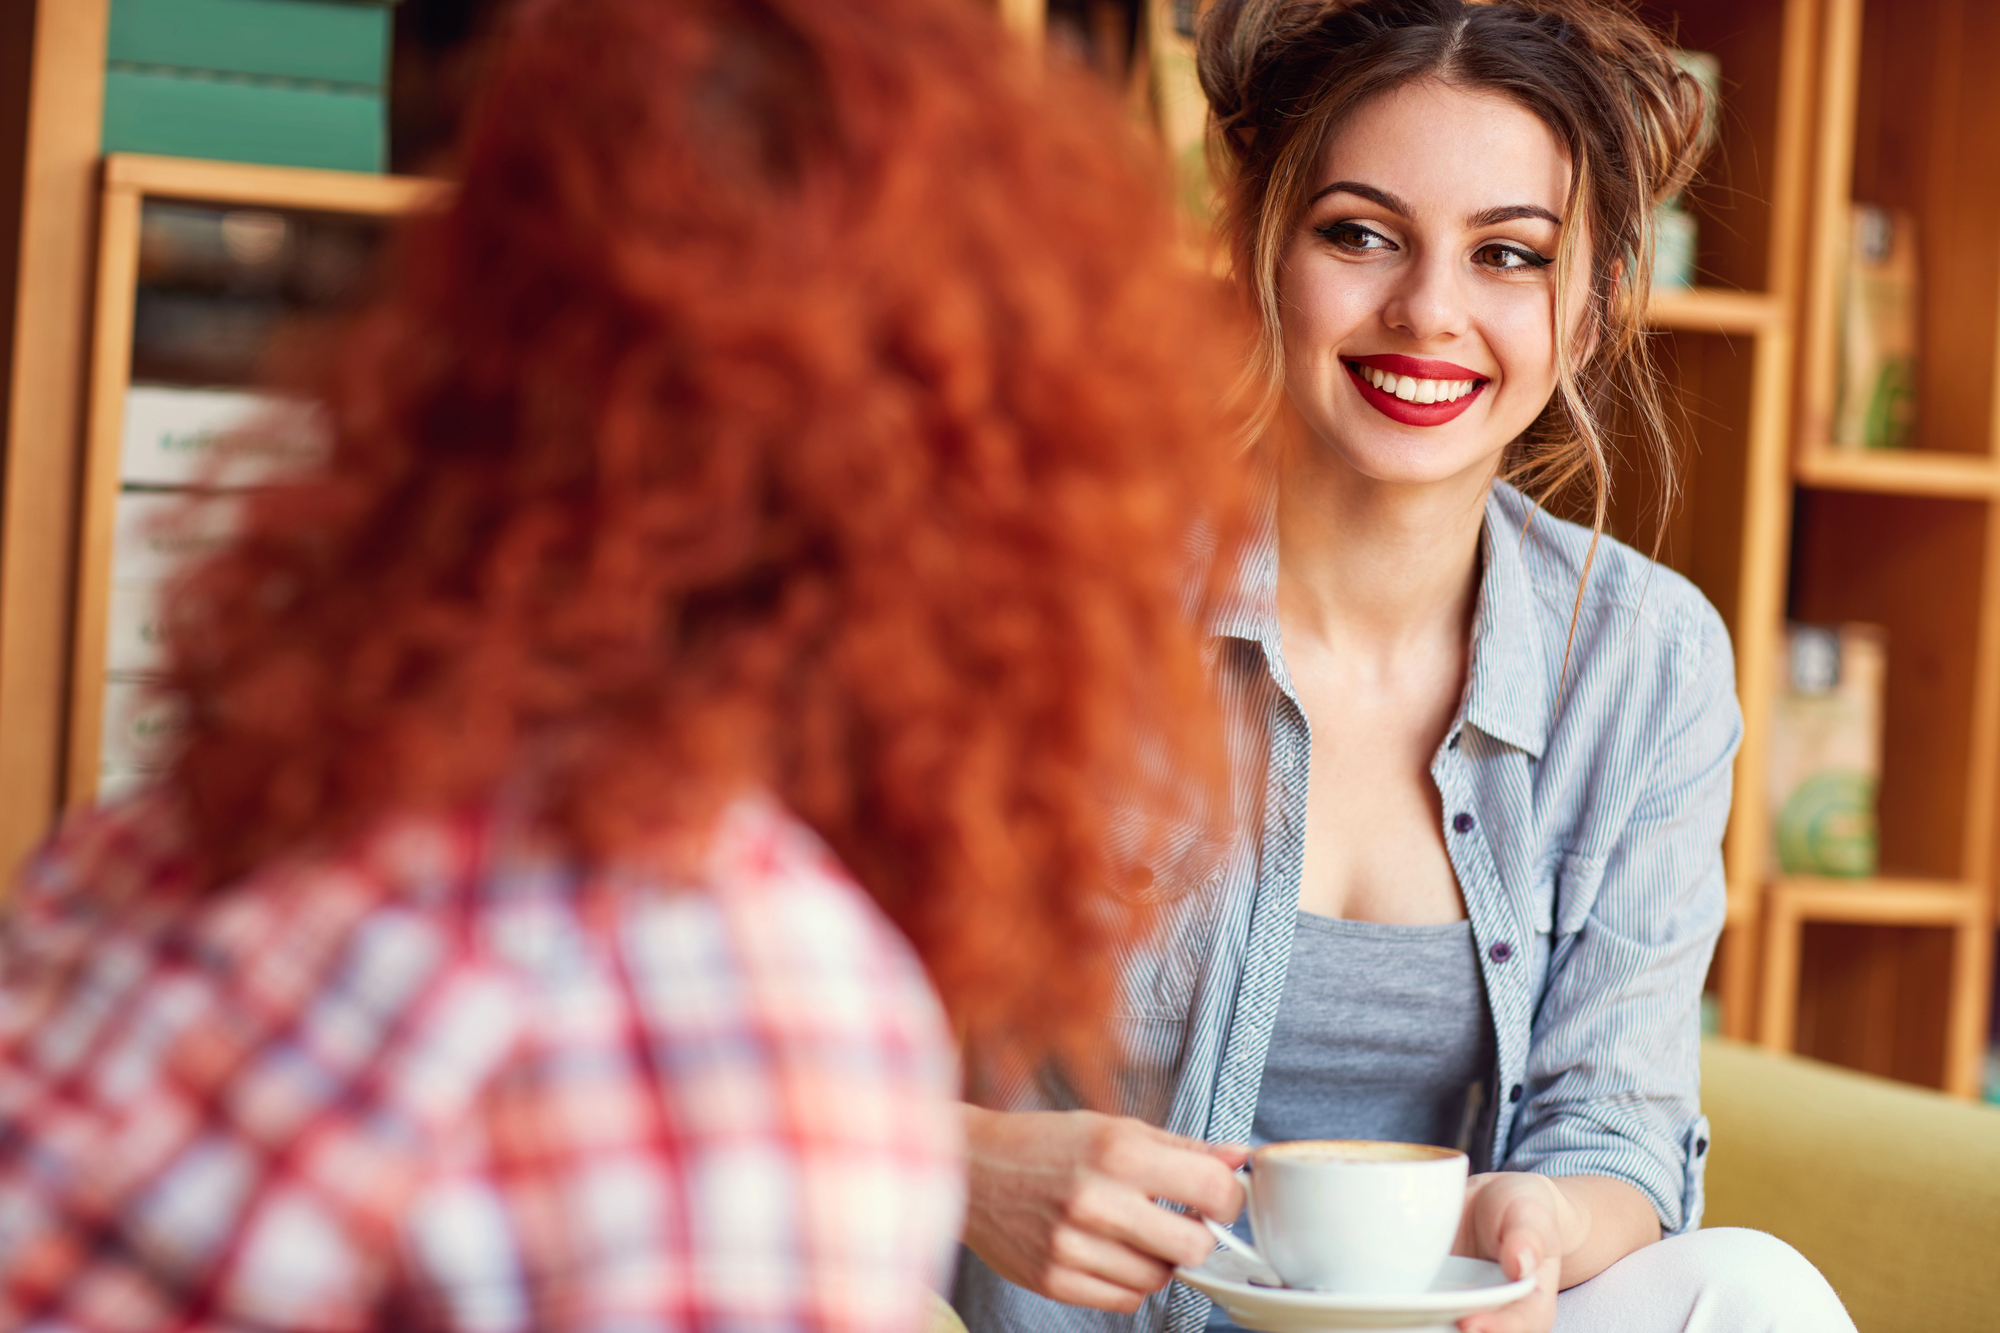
{"type": "Point", "coordinates": [1418, 292]}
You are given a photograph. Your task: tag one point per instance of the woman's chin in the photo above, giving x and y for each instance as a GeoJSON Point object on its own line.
{"type": "Point", "coordinates": [1403, 463]}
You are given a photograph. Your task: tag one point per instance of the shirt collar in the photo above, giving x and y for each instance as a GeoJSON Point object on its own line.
{"type": "Point", "coordinates": [1248, 609]}
{"type": "Point", "coordinates": [1508, 689]}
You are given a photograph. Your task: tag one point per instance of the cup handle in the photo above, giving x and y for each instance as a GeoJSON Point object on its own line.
{"type": "Point", "coordinates": [1229, 1239]}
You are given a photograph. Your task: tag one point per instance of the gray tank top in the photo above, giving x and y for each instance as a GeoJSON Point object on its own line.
{"type": "Point", "coordinates": [1382, 1033]}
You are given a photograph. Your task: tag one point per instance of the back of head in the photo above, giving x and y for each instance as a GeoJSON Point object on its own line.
{"type": "Point", "coordinates": [796, 397]}
{"type": "Point", "coordinates": [1282, 75]}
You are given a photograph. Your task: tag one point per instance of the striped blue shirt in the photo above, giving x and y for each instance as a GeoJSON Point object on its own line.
{"type": "Point", "coordinates": [1583, 813]}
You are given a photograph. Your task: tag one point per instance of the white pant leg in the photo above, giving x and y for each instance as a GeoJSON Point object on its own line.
{"type": "Point", "coordinates": [1727, 1280]}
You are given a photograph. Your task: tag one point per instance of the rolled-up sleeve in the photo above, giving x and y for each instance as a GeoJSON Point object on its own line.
{"type": "Point", "coordinates": [1613, 1071]}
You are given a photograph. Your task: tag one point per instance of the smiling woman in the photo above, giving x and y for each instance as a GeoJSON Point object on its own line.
{"type": "Point", "coordinates": [1484, 754]}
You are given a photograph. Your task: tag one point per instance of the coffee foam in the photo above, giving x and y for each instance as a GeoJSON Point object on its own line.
{"type": "Point", "coordinates": [1354, 1150]}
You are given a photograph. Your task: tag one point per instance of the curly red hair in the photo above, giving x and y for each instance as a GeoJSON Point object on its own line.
{"type": "Point", "coordinates": [795, 396]}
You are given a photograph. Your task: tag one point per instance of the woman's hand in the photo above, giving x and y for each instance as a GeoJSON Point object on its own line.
{"type": "Point", "coordinates": [1562, 1230]}
{"type": "Point", "coordinates": [1516, 1219]}
{"type": "Point", "coordinates": [1061, 1202]}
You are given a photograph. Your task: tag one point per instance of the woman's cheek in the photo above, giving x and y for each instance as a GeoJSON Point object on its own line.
{"type": "Point", "coordinates": [1521, 335]}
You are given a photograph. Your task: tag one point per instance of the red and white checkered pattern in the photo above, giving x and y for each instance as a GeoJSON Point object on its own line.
{"type": "Point", "coordinates": [443, 1083]}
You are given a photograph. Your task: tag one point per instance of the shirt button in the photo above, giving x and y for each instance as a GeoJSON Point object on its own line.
{"type": "Point", "coordinates": [1500, 951]}
{"type": "Point", "coordinates": [1514, 1093]}
{"type": "Point", "coordinates": [1462, 822]}
{"type": "Point", "coordinates": [1452, 744]}
{"type": "Point", "coordinates": [1700, 1147]}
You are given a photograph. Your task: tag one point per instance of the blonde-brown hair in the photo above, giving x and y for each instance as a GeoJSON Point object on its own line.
{"type": "Point", "coordinates": [1282, 75]}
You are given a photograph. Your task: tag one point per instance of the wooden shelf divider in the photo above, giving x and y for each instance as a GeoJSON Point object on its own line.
{"type": "Point", "coordinates": [1878, 901]}
{"type": "Point", "coordinates": [1900, 472]}
{"type": "Point", "coordinates": [1713, 310]}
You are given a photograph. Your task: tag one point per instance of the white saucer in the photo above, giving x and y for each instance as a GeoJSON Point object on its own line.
{"type": "Point", "coordinates": [1465, 1286]}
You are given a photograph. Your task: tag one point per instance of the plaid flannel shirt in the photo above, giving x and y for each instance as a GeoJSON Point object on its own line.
{"type": "Point", "coordinates": [442, 1083]}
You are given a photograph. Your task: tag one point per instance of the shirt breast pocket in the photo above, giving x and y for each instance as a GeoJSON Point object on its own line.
{"type": "Point", "coordinates": [1577, 881]}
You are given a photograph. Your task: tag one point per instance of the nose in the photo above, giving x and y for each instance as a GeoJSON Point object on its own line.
{"type": "Point", "coordinates": [1430, 300]}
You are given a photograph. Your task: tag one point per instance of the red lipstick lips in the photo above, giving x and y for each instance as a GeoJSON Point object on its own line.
{"type": "Point", "coordinates": [1403, 410]}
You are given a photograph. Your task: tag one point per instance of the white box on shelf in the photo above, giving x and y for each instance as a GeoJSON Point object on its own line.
{"type": "Point", "coordinates": [176, 437]}
{"type": "Point", "coordinates": [133, 639]}
{"type": "Point", "coordinates": [142, 727]}
{"type": "Point", "coordinates": [157, 534]}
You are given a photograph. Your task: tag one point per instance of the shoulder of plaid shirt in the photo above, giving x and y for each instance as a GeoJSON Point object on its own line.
{"type": "Point", "coordinates": [436, 1083]}
{"type": "Point", "coordinates": [1585, 783]}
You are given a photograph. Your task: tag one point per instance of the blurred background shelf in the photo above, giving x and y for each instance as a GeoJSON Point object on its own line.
{"type": "Point", "coordinates": [1893, 975]}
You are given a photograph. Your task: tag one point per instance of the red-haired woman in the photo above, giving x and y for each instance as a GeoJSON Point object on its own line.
{"type": "Point", "coordinates": [757, 527]}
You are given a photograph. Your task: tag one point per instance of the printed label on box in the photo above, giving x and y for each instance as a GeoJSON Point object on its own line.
{"type": "Point", "coordinates": [185, 437]}
{"type": "Point", "coordinates": [142, 727]}
{"type": "Point", "coordinates": [135, 638]}
{"type": "Point", "coordinates": [156, 536]}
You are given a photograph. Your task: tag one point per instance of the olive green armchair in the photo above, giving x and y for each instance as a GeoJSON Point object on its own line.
{"type": "Point", "coordinates": [1893, 1191]}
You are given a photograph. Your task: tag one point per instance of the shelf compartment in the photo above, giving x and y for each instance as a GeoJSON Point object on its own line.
{"type": "Point", "coordinates": [1915, 566]}
{"type": "Point", "coordinates": [1852, 973]}
{"type": "Point", "coordinates": [1900, 472]}
{"type": "Point", "coordinates": [130, 184]}
{"type": "Point", "coordinates": [1743, 200]}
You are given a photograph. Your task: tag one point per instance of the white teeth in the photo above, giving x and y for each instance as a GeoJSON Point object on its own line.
{"type": "Point", "coordinates": [1412, 390]}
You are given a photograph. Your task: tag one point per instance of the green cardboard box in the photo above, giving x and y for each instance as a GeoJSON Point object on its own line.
{"type": "Point", "coordinates": [314, 41]}
{"type": "Point", "coordinates": [288, 82]}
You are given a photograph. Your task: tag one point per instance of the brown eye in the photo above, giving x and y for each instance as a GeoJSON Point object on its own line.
{"type": "Point", "coordinates": [1509, 258]}
{"type": "Point", "coordinates": [1352, 236]}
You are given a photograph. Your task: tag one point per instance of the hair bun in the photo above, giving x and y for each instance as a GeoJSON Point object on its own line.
{"type": "Point", "coordinates": [1257, 57]}
{"type": "Point", "coordinates": [1238, 46]}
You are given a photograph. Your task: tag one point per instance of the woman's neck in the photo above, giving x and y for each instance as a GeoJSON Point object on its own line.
{"type": "Point", "coordinates": [1373, 568]}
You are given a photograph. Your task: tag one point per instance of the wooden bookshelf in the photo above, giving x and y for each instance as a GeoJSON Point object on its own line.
{"type": "Point", "coordinates": [1892, 974]}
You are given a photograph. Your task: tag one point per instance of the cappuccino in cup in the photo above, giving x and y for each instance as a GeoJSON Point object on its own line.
{"type": "Point", "coordinates": [1355, 1216]}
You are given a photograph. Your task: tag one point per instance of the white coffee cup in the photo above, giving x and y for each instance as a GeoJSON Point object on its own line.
{"type": "Point", "coordinates": [1351, 1215]}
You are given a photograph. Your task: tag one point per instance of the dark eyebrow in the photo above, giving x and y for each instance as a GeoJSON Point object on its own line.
{"type": "Point", "coordinates": [1485, 218]}
{"type": "Point", "coordinates": [1509, 213]}
{"type": "Point", "coordinates": [1368, 192]}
